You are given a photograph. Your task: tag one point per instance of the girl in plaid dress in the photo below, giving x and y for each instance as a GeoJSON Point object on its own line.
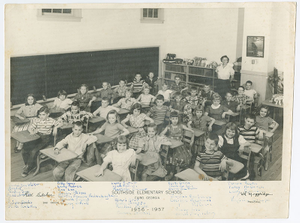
{"type": "Point", "coordinates": [136, 120]}
{"type": "Point", "coordinates": [203, 123]}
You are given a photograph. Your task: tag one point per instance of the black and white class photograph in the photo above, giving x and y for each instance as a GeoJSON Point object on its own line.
{"type": "Point", "coordinates": [146, 94]}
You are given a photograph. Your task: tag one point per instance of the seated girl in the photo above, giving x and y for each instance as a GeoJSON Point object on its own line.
{"type": "Point", "coordinates": [231, 144]}
{"type": "Point", "coordinates": [29, 110]}
{"type": "Point", "coordinates": [264, 122]}
{"type": "Point", "coordinates": [149, 147]}
{"type": "Point", "coordinates": [208, 162]}
{"type": "Point", "coordinates": [120, 159]}
{"type": "Point", "coordinates": [62, 102]}
{"type": "Point", "coordinates": [182, 154]}
{"type": "Point", "coordinates": [112, 128]}
{"type": "Point", "coordinates": [136, 120]}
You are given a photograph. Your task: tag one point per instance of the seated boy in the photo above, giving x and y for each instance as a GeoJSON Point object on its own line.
{"type": "Point", "coordinates": [76, 142]}
{"type": "Point", "coordinates": [208, 163]}
{"type": "Point", "coordinates": [194, 98]}
{"type": "Point", "coordinates": [104, 108]}
{"type": "Point", "coordinates": [249, 131]}
{"type": "Point", "coordinates": [230, 103]}
{"type": "Point", "coordinates": [158, 112]}
{"type": "Point", "coordinates": [241, 98]}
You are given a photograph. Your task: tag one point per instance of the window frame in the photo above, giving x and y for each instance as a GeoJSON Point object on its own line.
{"type": "Point", "coordinates": [74, 16]}
{"type": "Point", "coordinates": [158, 20]}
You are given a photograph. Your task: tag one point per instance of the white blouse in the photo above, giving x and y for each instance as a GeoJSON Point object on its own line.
{"type": "Point", "coordinates": [224, 73]}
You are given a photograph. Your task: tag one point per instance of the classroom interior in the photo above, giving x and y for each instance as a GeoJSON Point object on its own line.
{"type": "Point", "coordinates": [188, 32]}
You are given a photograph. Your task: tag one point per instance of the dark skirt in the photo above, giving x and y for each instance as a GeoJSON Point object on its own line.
{"type": "Point", "coordinates": [222, 87]}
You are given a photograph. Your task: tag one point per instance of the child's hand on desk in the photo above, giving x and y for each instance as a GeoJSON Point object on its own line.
{"type": "Point", "coordinates": [32, 132]}
{"type": "Point", "coordinates": [223, 115]}
{"type": "Point", "coordinates": [99, 173]}
{"type": "Point", "coordinates": [21, 117]}
{"type": "Point", "coordinates": [138, 150]}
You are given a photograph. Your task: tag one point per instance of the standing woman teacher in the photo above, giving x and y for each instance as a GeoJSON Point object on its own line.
{"type": "Point", "coordinates": [225, 76]}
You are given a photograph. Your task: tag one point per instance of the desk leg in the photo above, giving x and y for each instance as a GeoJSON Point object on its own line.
{"type": "Point", "coordinates": [38, 160]}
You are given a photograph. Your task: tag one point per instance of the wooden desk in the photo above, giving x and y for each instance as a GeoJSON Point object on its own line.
{"type": "Point", "coordinates": [132, 130]}
{"type": "Point", "coordinates": [156, 122]}
{"type": "Point", "coordinates": [175, 143]}
{"type": "Point", "coordinates": [269, 134]}
{"type": "Point", "coordinates": [103, 139]}
{"type": "Point", "coordinates": [198, 132]}
{"type": "Point", "coordinates": [234, 166]}
{"type": "Point", "coordinates": [18, 121]}
{"type": "Point", "coordinates": [56, 111]}
{"type": "Point", "coordinates": [219, 122]}
{"type": "Point", "coordinates": [63, 155]}
{"type": "Point", "coordinates": [66, 126]}
{"type": "Point", "coordinates": [190, 175]}
{"type": "Point", "coordinates": [255, 148]}
{"type": "Point", "coordinates": [24, 136]}
{"type": "Point", "coordinates": [96, 119]}
{"type": "Point", "coordinates": [146, 160]}
{"type": "Point", "coordinates": [145, 106]}
{"type": "Point", "coordinates": [123, 111]}
{"type": "Point", "coordinates": [89, 174]}
{"type": "Point", "coordinates": [271, 104]}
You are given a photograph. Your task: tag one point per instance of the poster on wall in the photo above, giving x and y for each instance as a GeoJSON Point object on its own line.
{"type": "Point", "coordinates": [111, 151]}
{"type": "Point", "coordinates": [255, 46]}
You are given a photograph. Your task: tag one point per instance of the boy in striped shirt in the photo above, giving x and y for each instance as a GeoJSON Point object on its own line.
{"type": "Point", "coordinates": [249, 131]}
{"type": "Point", "coordinates": [158, 112]}
{"type": "Point", "coordinates": [42, 126]}
{"type": "Point", "coordinates": [208, 163]}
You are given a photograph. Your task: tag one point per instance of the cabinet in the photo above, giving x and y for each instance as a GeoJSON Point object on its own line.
{"type": "Point", "coordinates": [192, 75]}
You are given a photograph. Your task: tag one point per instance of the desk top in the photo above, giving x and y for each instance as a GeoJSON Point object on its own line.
{"type": "Point", "coordinates": [63, 155]}
{"type": "Point", "coordinates": [56, 110]}
{"type": "Point", "coordinates": [220, 122]}
{"type": "Point", "coordinates": [146, 160]}
{"type": "Point", "coordinates": [234, 166]}
{"type": "Point", "coordinates": [89, 174]}
{"type": "Point", "coordinates": [16, 120]}
{"type": "Point", "coordinates": [24, 136]}
{"type": "Point", "coordinates": [198, 132]}
{"type": "Point", "coordinates": [132, 130]}
{"type": "Point", "coordinates": [269, 134]}
{"type": "Point", "coordinates": [145, 106]}
{"type": "Point", "coordinates": [255, 148]}
{"type": "Point", "coordinates": [123, 111]}
{"type": "Point", "coordinates": [175, 143]}
{"type": "Point", "coordinates": [67, 126]}
{"type": "Point", "coordinates": [96, 119]}
{"type": "Point", "coordinates": [103, 139]}
{"type": "Point", "coordinates": [190, 175]}
{"type": "Point", "coordinates": [268, 103]}
{"type": "Point", "coordinates": [155, 121]}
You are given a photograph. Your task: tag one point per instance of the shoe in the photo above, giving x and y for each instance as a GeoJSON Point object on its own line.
{"type": "Point", "coordinates": [17, 150]}
{"type": "Point", "coordinates": [25, 171]}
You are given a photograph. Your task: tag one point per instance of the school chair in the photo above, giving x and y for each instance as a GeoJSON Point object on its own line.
{"type": "Point", "coordinates": [89, 175]}
{"type": "Point", "coordinates": [268, 147]}
{"type": "Point", "coordinates": [134, 170]}
{"type": "Point", "coordinates": [233, 167]}
{"type": "Point", "coordinates": [191, 175]}
{"type": "Point", "coordinates": [145, 161]}
{"type": "Point", "coordinates": [246, 155]}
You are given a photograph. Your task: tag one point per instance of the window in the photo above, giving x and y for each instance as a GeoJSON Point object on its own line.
{"type": "Point", "coordinates": [152, 15]}
{"type": "Point", "coordinates": [59, 14]}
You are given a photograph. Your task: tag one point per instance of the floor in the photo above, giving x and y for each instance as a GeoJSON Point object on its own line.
{"type": "Point", "coordinates": [272, 174]}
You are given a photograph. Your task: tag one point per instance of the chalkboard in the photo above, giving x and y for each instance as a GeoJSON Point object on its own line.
{"type": "Point", "coordinates": [47, 74]}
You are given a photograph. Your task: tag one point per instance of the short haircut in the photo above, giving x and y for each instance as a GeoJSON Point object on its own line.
{"type": "Point", "coordinates": [62, 92]}
{"type": "Point", "coordinates": [249, 82]}
{"type": "Point", "coordinates": [174, 114]}
{"type": "Point", "coordinates": [78, 123]}
{"type": "Point", "coordinates": [146, 87]}
{"type": "Point", "coordinates": [43, 109]}
{"type": "Point", "coordinates": [113, 112]}
{"type": "Point", "coordinates": [214, 137]}
{"type": "Point", "coordinates": [229, 92]}
{"type": "Point", "coordinates": [151, 125]}
{"type": "Point", "coordinates": [122, 139]}
{"type": "Point", "coordinates": [138, 73]}
{"type": "Point", "coordinates": [128, 90]}
{"type": "Point", "coordinates": [225, 56]}
{"type": "Point", "coordinates": [75, 103]}
{"type": "Point", "coordinates": [177, 76]}
{"type": "Point", "coordinates": [250, 116]}
{"type": "Point", "coordinates": [199, 108]}
{"type": "Point", "coordinates": [137, 106]}
{"type": "Point", "coordinates": [84, 85]}
{"type": "Point", "coordinates": [105, 99]}
{"type": "Point", "coordinates": [241, 87]}
{"type": "Point", "coordinates": [216, 96]}
{"type": "Point", "coordinates": [160, 97]}
{"type": "Point", "coordinates": [265, 107]}
{"type": "Point", "coordinates": [30, 95]}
